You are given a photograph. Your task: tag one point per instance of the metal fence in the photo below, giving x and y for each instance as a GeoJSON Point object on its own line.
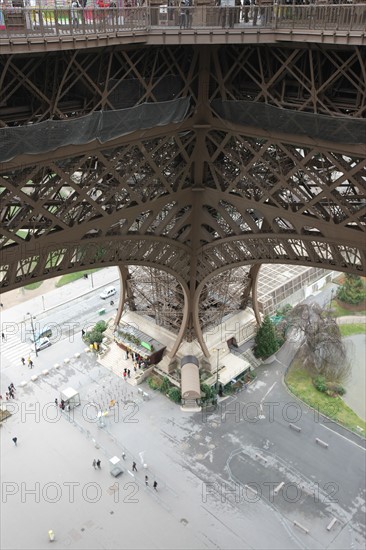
{"type": "Point", "coordinates": [93, 20]}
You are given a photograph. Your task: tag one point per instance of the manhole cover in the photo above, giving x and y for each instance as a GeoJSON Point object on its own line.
{"type": "Point", "coordinates": [184, 521]}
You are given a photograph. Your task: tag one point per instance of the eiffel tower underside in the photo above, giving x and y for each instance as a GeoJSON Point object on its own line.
{"type": "Point", "coordinates": [186, 166]}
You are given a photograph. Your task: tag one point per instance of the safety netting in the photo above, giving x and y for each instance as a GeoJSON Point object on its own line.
{"type": "Point", "coordinates": [103, 126]}
{"type": "Point", "coordinates": [267, 117]}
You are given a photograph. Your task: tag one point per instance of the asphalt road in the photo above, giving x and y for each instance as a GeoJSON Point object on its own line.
{"type": "Point", "coordinates": [219, 474]}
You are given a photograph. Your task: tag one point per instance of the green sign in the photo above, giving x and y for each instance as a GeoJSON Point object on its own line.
{"type": "Point", "coordinates": [146, 345]}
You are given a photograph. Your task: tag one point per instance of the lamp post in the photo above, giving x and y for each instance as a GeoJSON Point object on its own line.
{"type": "Point", "coordinates": [217, 368]}
{"type": "Point", "coordinates": [33, 332]}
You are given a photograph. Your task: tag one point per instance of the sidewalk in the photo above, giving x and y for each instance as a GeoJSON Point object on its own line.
{"type": "Point", "coordinates": [18, 302]}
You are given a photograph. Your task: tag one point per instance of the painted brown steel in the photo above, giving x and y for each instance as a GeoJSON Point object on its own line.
{"type": "Point", "coordinates": [190, 207]}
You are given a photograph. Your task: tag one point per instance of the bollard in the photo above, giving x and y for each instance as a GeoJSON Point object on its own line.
{"type": "Point", "coordinates": [67, 360]}
{"type": "Point", "coordinates": [301, 527]}
{"type": "Point", "coordinates": [23, 383]}
{"type": "Point", "coordinates": [334, 520]}
{"type": "Point", "coordinates": [320, 442]}
{"type": "Point", "coordinates": [278, 488]}
{"type": "Point", "coordinates": [45, 372]}
{"type": "Point", "coordinates": [77, 355]}
{"type": "Point", "coordinates": [251, 489]}
{"type": "Point", "coordinates": [296, 428]}
{"type": "Point", "coordinates": [34, 378]}
{"type": "Point", "coordinates": [260, 456]}
{"type": "Point", "coordinates": [57, 365]}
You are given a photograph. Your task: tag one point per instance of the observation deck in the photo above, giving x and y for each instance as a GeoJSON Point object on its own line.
{"type": "Point", "coordinates": [48, 29]}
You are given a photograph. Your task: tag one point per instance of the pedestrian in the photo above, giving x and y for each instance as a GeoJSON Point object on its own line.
{"type": "Point", "coordinates": [129, 373]}
{"type": "Point", "coordinates": [134, 469]}
{"type": "Point", "coordinates": [56, 401]}
{"type": "Point", "coordinates": [124, 376]}
{"type": "Point", "coordinates": [99, 463]}
{"type": "Point", "coordinates": [146, 481]}
{"type": "Point", "coordinates": [12, 386]}
{"type": "Point", "coordinates": [155, 485]}
{"type": "Point", "coordinates": [7, 396]}
{"type": "Point", "coordinates": [23, 361]}
{"type": "Point", "coordinates": [74, 13]}
{"type": "Point", "coordinates": [15, 439]}
{"type": "Point", "coordinates": [3, 336]}
{"type": "Point", "coordinates": [124, 456]}
{"type": "Point", "coordinates": [31, 364]}
{"type": "Point", "coordinates": [94, 464]}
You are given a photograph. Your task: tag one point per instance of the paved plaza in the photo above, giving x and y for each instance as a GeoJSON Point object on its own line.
{"type": "Point", "coordinates": [238, 477]}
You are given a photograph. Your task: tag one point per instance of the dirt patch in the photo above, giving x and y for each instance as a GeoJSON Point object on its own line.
{"type": "Point", "coordinates": [19, 295]}
{"type": "Point", "coordinates": [349, 307]}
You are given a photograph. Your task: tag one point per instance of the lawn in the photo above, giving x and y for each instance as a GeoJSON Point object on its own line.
{"type": "Point", "coordinates": [66, 279]}
{"type": "Point", "coordinates": [354, 328]}
{"type": "Point", "coordinates": [33, 286]}
{"type": "Point", "coordinates": [300, 384]}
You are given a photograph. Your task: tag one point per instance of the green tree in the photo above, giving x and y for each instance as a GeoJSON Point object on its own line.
{"type": "Point", "coordinates": [208, 391]}
{"type": "Point", "coordinates": [94, 336]}
{"type": "Point", "coordinates": [266, 342]}
{"type": "Point", "coordinates": [101, 326]}
{"type": "Point", "coordinates": [165, 385]}
{"type": "Point", "coordinates": [174, 394]}
{"type": "Point", "coordinates": [352, 291]}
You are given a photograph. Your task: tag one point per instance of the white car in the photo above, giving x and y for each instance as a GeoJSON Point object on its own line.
{"type": "Point", "coordinates": [42, 343]}
{"type": "Point", "coordinates": [108, 292]}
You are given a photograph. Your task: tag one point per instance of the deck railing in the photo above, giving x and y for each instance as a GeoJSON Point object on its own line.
{"type": "Point", "coordinates": [63, 21]}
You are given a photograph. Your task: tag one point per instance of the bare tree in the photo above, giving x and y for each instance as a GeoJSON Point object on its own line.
{"type": "Point", "coordinates": [322, 350]}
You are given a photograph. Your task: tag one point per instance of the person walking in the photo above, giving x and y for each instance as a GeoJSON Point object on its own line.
{"type": "Point", "coordinates": [99, 464]}
{"type": "Point", "coordinates": [146, 481]}
{"type": "Point", "coordinates": [15, 439]}
{"type": "Point", "coordinates": [31, 364]}
{"type": "Point", "coordinates": [125, 376]}
{"type": "Point", "coordinates": [56, 401]}
{"type": "Point", "coordinates": [23, 361]}
{"type": "Point", "coordinates": [128, 373]}
{"type": "Point", "coordinates": [155, 485]}
{"type": "Point", "coordinates": [134, 469]}
{"type": "Point", "coordinates": [124, 456]}
{"type": "Point", "coordinates": [3, 337]}
{"type": "Point", "coordinates": [94, 464]}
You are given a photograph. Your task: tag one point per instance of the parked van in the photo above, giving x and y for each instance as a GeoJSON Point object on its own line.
{"type": "Point", "coordinates": [108, 292]}
{"type": "Point", "coordinates": [45, 332]}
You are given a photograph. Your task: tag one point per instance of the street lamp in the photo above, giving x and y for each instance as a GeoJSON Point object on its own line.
{"type": "Point", "coordinates": [33, 332]}
{"type": "Point", "coordinates": [217, 367]}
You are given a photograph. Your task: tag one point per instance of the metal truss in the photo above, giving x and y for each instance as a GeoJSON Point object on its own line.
{"type": "Point", "coordinates": [192, 208]}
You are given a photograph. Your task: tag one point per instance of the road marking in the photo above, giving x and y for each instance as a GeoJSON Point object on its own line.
{"type": "Point", "coordinates": [270, 389]}
{"type": "Point", "coordinates": [344, 437]}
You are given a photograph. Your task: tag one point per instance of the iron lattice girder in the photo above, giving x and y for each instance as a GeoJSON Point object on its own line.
{"type": "Point", "coordinates": [251, 186]}
{"type": "Point", "coordinates": [311, 78]}
{"type": "Point", "coordinates": [201, 200]}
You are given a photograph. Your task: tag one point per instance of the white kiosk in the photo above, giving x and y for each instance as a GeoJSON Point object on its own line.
{"type": "Point", "coordinates": [71, 398]}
